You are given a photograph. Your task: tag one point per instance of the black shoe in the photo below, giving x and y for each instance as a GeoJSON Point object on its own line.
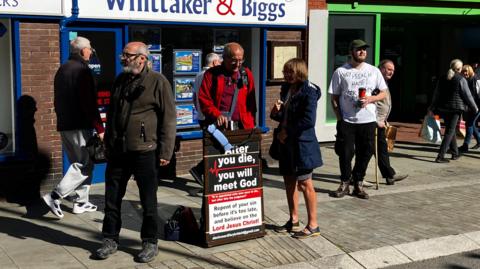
{"type": "Point", "coordinates": [288, 227]}
{"type": "Point", "coordinates": [197, 175]}
{"type": "Point", "coordinates": [441, 160]}
{"type": "Point", "coordinates": [359, 192]}
{"type": "Point", "coordinates": [343, 189]}
{"type": "Point", "coordinates": [148, 253]}
{"type": "Point", "coordinates": [463, 148]}
{"type": "Point", "coordinates": [395, 178]}
{"type": "Point", "coordinates": [109, 246]}
{"type": "Point", "coordinates": [456, 157]}
{"type": "Point", "coordinates": [477, 146]}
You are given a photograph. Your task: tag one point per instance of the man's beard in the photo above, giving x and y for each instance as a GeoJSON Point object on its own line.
{"type": "Point", "coordinates": [133, 68]}
{"type": "Point", "coordinates": [358, 59]}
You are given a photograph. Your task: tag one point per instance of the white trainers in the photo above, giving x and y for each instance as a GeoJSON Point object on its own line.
{"type": "Point", "coordinates": [54, 205]}
{"type": "Point", "coordinates": [79, 208]}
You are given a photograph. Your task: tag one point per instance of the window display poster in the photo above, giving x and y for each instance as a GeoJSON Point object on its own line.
{"type": "Point", "coordinates": [183, 88]}
{"type": "Point", "coordinates": [187, 61]}
{"type": "Point", "coordinates": [186, 116]}
{"type": "Point", "coordinates": [156, 62]}
{"type": "Point", "coordinates": [281, 55]}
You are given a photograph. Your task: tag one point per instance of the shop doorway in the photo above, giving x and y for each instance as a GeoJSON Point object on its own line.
{"type": "Point", "coordinates": [342, 30]}
{"type": "Point", "coordinates": [105, 65]}
{"type": "Point", "coordinates": [422, 47]}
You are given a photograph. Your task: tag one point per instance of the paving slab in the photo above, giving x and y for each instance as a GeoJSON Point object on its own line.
{"type": "Point", "coordinates": [342, 261]}
{"type": "Point", "coordinates": [436, 247]}
{"type": "Point", "coordinates": [380, 257]}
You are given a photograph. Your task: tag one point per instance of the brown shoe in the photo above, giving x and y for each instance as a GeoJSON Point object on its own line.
{"type": "Point", "coordinates": [343, 189]}
{"type": "Point", "coordinates": [358, 190]}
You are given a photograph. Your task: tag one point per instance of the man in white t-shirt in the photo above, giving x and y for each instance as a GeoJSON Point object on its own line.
{"type": "Point", "coordinates": [351, 90]}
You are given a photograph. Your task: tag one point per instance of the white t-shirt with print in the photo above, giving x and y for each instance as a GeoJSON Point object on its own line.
{"type": "Point", "coordinates": [345, 82]}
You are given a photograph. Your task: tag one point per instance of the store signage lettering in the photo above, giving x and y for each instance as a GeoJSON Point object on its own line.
{"type": "Point", "coordinates": [262, 11]}
{"type": "Point", "coordinates": [33, 7]}
{"type": "Point", "coordinates": [8, 3]}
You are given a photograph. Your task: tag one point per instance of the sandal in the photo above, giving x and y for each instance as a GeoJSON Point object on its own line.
{"type": "Point", "coordinates": [288, 227]}
{"type": "Point", "coordinates": [307, 232]}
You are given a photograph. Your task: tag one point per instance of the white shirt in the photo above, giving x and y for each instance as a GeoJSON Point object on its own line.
{"type": "Point", "coordinates": [345, 83]}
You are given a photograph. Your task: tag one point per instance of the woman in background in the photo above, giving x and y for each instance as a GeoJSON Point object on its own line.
{"type": "Point", "coordinates": [299, 150]}
{"type": "Point", "coordinates": [450, 100]}
{"type": "Point", "coordinates": [470, 116]}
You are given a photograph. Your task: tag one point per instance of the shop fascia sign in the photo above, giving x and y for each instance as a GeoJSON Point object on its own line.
{"type": "Point", "coordinates": [263, 12]}
{"type": "Point", "coordinates": [32, 7]}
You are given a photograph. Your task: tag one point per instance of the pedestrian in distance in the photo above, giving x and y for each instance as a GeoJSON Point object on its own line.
{"type": "Point", "coordinates": [75, 104]}
{"type": "Point", "coordinates": [469, 116]}
{"type": "Point", "coordinates": [451, 98]}
{"type": "Point", "coordinates": [384, 106]}
{"type": "Point", "coordinates": [296, 112]}
{"type": "Point", "coordinates": [351, 91]}
{"type": "Point", "coordinates": [211, 60]}
{"type": "Point", "coordinates": [140, 137]}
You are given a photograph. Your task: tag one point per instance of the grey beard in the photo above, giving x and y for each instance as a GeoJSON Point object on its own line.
{"type": "Point", "coordinates": [132, 69]}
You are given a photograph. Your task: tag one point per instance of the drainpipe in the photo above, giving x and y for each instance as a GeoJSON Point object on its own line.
{"type": "Point", "coordinates": [64, 40]}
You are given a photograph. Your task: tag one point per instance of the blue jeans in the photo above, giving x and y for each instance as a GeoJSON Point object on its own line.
{"type": "Point", "coordinates": [471, 125]}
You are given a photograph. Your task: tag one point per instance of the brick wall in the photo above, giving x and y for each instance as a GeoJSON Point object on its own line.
{"type": "Point", "coordinates": [40, 59]}
{"type": "Point", "coordinates": [317, 4]}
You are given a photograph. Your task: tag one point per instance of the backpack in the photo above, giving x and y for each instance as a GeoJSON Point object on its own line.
{"type": "Point", "coordinates": [182, 226]}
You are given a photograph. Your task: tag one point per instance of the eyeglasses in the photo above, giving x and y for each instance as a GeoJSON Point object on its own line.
{"type": "Point", "coordinates": [235, 61]}
{"type": "Point", "coordinates": [126, 55]}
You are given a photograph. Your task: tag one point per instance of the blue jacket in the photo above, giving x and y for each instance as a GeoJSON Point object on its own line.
{"type": "Point", "coordinates": [302, 114]}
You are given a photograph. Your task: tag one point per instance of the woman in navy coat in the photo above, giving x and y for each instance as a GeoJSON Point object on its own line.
{"type": "Point", "coordinates": [296, 112]}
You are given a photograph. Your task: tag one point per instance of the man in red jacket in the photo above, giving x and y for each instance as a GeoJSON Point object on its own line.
{"type": "Point", "coordinates": [224, 85]}
{"type": "Point", "coordinates": [218, 89]}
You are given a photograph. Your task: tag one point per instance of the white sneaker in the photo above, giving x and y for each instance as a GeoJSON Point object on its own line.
{"type": "Point", "coordinates": [54, 205]}
{"type": "Point", "coordinates": [79, 208]}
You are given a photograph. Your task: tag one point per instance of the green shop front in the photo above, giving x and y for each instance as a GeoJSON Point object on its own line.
{"type": "Point", "coordinates": [420, 37]}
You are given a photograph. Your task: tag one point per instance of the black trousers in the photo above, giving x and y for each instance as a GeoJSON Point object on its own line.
{"type": "Point", "coordinates": [143, 165]}
{"type": "Point", "coordinates": [449, 139]}
{"type": "Point", "coordinates": [354, 139]}
{"type": "Point", "coordinates": [383, 158]}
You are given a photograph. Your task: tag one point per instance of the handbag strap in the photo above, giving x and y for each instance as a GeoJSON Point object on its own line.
{"type": "Point", "coordinates": [243, 78]}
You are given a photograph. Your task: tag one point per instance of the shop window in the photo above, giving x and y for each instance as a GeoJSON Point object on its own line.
{"type": "Point", "coordinates": [6, 89]}
{"type": "Point", "coordinates": [179, 54]}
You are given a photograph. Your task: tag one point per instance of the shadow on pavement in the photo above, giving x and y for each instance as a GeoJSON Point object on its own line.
{"type": "Point", "coordinates": [180, 183]}
{"type": "Point", "coordinates": [22, 229]}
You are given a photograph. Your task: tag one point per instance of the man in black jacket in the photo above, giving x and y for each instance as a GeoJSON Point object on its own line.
{"type": "Point", "coordinates": [140, 137]}
{"type": "Point", "coordinates": [77, 116]}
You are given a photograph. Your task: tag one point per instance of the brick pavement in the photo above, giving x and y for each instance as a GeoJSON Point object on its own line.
{"type": "Point", "coordinates": [436, 201]}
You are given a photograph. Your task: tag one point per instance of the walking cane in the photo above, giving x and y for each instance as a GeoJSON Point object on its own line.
{"type": "Point", "coordinates": [376, 158]}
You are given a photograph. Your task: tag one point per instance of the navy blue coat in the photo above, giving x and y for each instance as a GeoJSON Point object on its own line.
{"type": "Point", "coordinates": [301, 150]}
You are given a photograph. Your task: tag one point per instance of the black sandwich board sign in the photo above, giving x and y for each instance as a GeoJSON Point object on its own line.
{"type": "Point", "coordinates": [233, 193]}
